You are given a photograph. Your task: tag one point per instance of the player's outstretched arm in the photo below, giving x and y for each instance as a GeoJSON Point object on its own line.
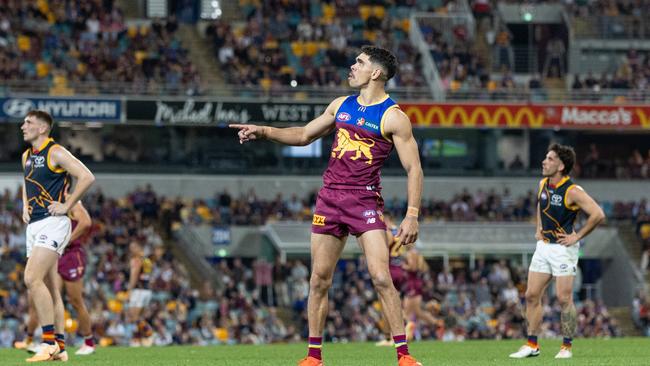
{"type": "Point", "coordinates": [296, 136]}
{"type": "Point", "coordinates": [398, 126]}
{"type": "Point", "coordinates": [62, 158]}
{"type": "Point", "coordinates": [595, 215]}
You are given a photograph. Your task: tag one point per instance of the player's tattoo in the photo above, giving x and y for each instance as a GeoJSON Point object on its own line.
{"type": "Point", "coordinates": [569, 321]}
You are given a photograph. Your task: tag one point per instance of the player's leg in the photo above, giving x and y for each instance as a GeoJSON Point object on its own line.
{"type": "Point", "coordinates": [537, 283]}
{"type": "Point", "coordinates": [568, 317]}
{"type": "Point", "coordinates": [410, 315]}
{"type": "Point", "coordinates": [419, 313]}
{"type": "Point", "coordinates": [28, 343]}
{"type": "Point", "coordinates": [39, 263]}
{"type": "Point", "coordinates": [38, 266]}
{"type": "Point", "coordinates": [133, 316]}
{"type": "Point", "coordinates": [374, 246]}
{"type": "Point", "coordinates": [325, 252]}
{"type": "Point", "coordinates": [143, 326]}
{"type": "Point", "coordinates": [74, 292]}
{"type": "Point", "coordinates": [54, 285]}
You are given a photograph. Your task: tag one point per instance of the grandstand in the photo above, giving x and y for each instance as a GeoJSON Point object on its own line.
{"type": "Point", "coordinates": [143, 91]}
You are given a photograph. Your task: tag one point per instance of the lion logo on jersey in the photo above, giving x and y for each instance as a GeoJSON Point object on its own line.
{"type": "Point", "coordinates": [358, 145]}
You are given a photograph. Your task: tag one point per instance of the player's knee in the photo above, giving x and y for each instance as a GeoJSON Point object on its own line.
{"type": "Point", "coordinates": [382, 281]}
{"type": "Point", "coordinates": [31, 279]}
{"type": "Point", "coordinates": [532, 297]}
{"type": "Point", "coordinates": [319, 283]}
{"type": "Point", "coordinates": [564, 298]}
{"type": "Point", "coordinates": [77, 304]}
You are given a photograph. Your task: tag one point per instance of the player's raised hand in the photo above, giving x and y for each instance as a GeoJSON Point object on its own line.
{"type": "Point", "coordinates": [248, 132]}
{"type": "Point", "coordinates": [408, 230]}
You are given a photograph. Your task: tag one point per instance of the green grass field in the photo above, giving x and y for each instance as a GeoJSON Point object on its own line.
{"type": "Point", "coordinates": [617, 352]}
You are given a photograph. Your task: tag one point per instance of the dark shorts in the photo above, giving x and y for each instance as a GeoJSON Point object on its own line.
{"type": "Point", "coordinates": [398, 275]}
{"type": "Point", "coordinates": [72, 264]}
{"type": "Point", "coordinates": [340, 212]}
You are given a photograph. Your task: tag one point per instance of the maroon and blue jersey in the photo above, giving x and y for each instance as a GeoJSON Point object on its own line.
{"type": "Point", "coordinates": [360, 146]}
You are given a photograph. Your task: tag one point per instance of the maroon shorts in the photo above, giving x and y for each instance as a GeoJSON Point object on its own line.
{"type": "Point", "coordinates": [340, 212]}
{"type": "Point", "coordinates": [398, 275]}
{"type": "Point", "coordinates": [414, 285]}
{"type": "Point", "coordinates": [72, 264]}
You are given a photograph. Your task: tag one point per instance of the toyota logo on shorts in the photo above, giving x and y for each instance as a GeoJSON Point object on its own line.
{"type": "Point", "coordinates": [18, 108]}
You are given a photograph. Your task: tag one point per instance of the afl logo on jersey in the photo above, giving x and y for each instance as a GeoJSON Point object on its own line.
{"type": "Point", "coordinates": [343, 117]}
{"type": "Point", "coordinates": [556, 200]}
{"type": "Point", "coordinates": [361, 121]}
{"type": "Point", "coordinates": [543, 196]}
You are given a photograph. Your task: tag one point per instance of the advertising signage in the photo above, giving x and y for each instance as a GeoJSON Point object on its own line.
{"type": "Point", "coordinates": [63, 109]}
{"type": "Point", "coordinates": [194, 112]}
{"type": "Point", "coordinates": [572, 116]}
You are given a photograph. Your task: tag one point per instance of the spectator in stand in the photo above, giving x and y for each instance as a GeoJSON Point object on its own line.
{"type": "Point", "coordinates": [555, 56]}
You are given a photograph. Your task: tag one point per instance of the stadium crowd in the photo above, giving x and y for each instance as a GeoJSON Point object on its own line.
{"type": "Point", "coordinates": [480, 303]}
{"type": "Point", "coordinates": [178, 313]}
{"type": "Point", "coordinates": [631, 73]}
{"type": "Point", "coordinates": [491, 205]}
{"type": "Point", "coordinates": [484, 303]}
{"type": "Point", "coordinates": [65, 42]}
{"type": "Point", "coordinates": [310, 44]}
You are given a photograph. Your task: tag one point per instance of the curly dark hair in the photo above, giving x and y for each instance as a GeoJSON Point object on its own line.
{"type": "Point", "coordinates": [384, 58]}
{"type": "Point", "coordinates": [566, 154]}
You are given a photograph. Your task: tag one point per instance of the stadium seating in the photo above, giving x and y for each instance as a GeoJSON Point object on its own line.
{"type": "Point", "coordinates": [281, 42]}
{"type": "Point", "coordinates": [92, 44]}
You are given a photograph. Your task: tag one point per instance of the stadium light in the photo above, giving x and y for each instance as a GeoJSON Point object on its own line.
{"type": "Point", "coordinates": [526, 12]}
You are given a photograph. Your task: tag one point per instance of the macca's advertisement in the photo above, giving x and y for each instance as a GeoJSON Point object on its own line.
{"type": "Point", "coordinates": [574, 116]}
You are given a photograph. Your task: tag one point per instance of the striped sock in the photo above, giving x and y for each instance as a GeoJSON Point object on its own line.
{"type": "Point", "coordinates": [89, 341]}
{"type": "Point", "coordinates": [566, 342]}
{"type": "Point", "coordinates": [532, 341]}
{"type": "Point", "coordinates": [48, 334]}
{"type": "Point", "coordinates": [315, 347]}
{"type": "Point", "coordinates": [401, 346]}
{"type": "Point", "coordinates": [60, 340]}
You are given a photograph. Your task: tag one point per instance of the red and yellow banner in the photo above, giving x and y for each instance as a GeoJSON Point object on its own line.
{"type": "Point", "coordinates": [575, 116]}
